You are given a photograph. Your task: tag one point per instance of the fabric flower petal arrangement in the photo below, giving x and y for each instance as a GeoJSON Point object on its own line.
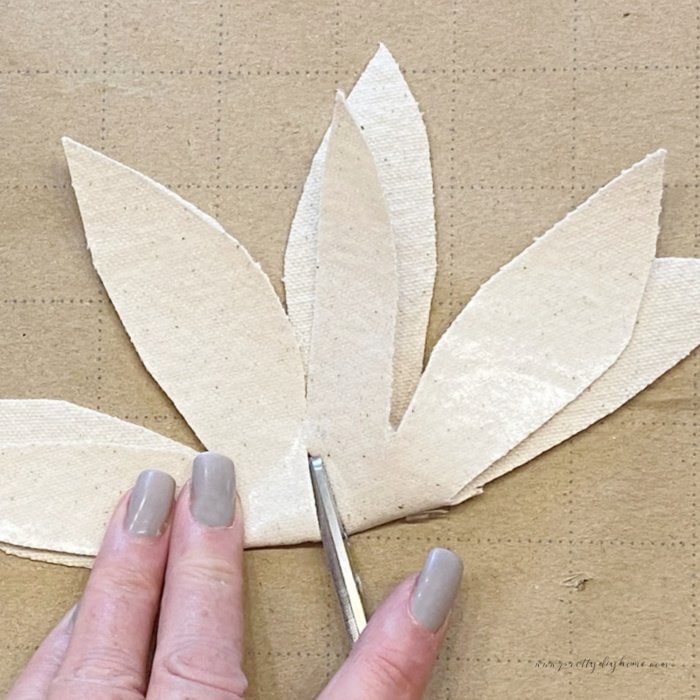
{"type": "Point", "coordinates": [564, 334]}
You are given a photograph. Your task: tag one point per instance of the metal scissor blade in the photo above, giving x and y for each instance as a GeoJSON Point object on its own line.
{"type": "Point", "coordinates": [333, 538]}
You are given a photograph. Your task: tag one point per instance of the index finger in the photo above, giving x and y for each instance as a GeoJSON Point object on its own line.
{"type": "Point", "coordinates": [394, 656]}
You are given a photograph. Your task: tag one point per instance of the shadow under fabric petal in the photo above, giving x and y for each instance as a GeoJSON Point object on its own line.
{"type": "Point", "coordinates": [210, 329]}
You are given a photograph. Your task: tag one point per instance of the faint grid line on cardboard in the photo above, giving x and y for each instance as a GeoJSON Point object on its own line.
{"type": "Point", "coordinates": [242, 71]}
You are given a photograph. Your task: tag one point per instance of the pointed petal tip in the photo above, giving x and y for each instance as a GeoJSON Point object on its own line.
{"type": "Point", "coordinates": [655, 159]}
{"type": "Point", "coordinates": [70, 146]}
{"type": "Point", "coordinates": [383, 55]}
{"type": "Point", "coordinates": [650, 167]}
{"type": "Point", "coordinates": [341, 111]}
{"type": "Point", "coordinates": [72, 149]}
{"type": "Point", "coordinates": [383, 51]}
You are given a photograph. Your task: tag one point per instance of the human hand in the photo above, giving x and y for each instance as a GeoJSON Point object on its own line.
{"type": "Point", "coordinates": [183, 567]}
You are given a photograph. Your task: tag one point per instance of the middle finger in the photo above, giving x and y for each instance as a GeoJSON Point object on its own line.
{"type": "Point", "coordinates": [200, 633]}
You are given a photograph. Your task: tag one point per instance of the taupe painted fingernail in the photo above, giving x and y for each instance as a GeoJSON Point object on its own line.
{"type": "Point", "coordinates": [436, 588]}
{"type": "Point", "coordinates": [213, 490]}
{"type": "Point", "coordinates": [150, 503]}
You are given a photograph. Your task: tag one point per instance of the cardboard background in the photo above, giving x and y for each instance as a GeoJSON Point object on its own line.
{"type": "Point", "coordinates": [530, 107]}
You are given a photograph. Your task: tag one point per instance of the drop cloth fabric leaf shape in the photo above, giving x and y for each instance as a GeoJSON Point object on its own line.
{"type": "Point", "coordinates": [46, 424]}
{"type": "Point", "coordinates": [55, 448]}
{"type": "Point", "coordinates": [667, 330]}
{"type": "Point", "coordinates": [382, 105]}
{"type": "Point", "coordinates": [531, 340]}
{"type": "Point", "coordinates": [349, 386]}
{"type": "Point", "coordinates": [209, 328]}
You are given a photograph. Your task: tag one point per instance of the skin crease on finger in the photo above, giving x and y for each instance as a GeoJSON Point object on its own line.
{"type": "Point", "coordinates": [185, 564]}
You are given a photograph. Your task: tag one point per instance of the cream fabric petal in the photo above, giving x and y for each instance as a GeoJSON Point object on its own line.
{"type": "Point", "coordinates": [208, 326]}
{"type": "Point", "coordinates": [667, 330]}
{"type": "Point", "coordinates": [44, 425]}
{"type": "Point", "coordinates": [62, 495]}
{"type": "Point", "coordinates": [49, 422]}
{"type": "Point", "coordinates": [350, 363]}
{"type": "Point", "coordinates": [533, 338]}
{"type": "Point", "coordinates": [382, 104]}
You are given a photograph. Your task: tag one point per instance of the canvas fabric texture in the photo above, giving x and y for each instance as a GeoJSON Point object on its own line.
{"type": "Point", "coordinates": [198, 307]}
{"type": "Point", "coordinates": [532, 339]}
{"type": "Point", "coordinates": [667, 329]}
{"type": "Point", "coordinates": [38, 433]}
{"type": "Point", "coordinates": [383, 106]}
{"type": "Point", "coordinates": [350, 378]}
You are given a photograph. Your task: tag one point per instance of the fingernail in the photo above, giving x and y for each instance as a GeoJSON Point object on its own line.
{"type": "Point", "coordinates": [213, 490]}
{"type": "Point", "coordinates": [436, 588]}
{"type": "Point", "coordinates": [150, 503]}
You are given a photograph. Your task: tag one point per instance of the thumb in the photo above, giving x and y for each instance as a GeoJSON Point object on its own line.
{"type": "Point", "coordinates": [394, 656]}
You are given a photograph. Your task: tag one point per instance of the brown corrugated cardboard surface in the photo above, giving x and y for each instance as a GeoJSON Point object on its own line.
{"type": "Point", "coordinates": [530, 107]}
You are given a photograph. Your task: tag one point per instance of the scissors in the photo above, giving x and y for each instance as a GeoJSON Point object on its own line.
{"type": "Point", "coordinates": [334, 539]}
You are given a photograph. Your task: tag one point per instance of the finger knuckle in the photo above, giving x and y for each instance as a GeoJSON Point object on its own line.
{"type": "Point", "coordinates": [206, 670]}
{"type": "Point", "coordinates": [125, 581]}
{"type": "Point", "coordinates": [102, 670]}
{"type": "Point", "coordinates": [203, 570]}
